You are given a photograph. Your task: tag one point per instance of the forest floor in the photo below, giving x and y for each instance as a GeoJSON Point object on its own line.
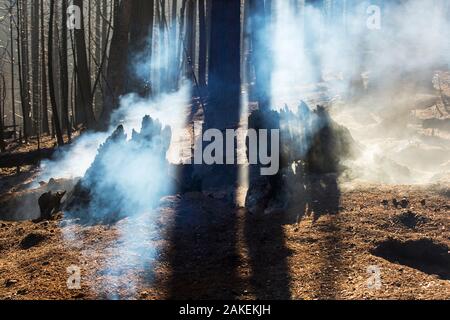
{"type": "Point", "coordinates": [205, 249]}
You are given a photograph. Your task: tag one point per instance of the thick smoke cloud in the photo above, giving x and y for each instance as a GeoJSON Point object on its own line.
{"type": "Point", "coordinates": [371, 62]}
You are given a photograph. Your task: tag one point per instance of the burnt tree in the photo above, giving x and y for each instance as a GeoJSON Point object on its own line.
{"type": "Point", "coordinates": [261, 12]}
{"type": "Point", "coordinates": [118, 61]}
{"type": "Point", "coordinates": [224, 81]}
{"type": "Point", "coordinates": [51, 81]}
{"type": "Point", "coordinates": [141, 36]}
{"type": "Point", "coordinates": [82, 70]}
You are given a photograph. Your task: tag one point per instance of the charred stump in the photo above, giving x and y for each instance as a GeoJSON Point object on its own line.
{"type": "Point", "coordinates": [312, 148]}
{"type": "Point", "coordinates": [107, 192]}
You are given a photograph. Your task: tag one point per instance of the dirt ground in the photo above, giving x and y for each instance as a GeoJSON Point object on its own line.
{"type": "Point", "coordinates": [202, 248]}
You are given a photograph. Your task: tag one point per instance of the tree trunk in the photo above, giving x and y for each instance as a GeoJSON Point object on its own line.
{"type": "Point", "coordinates": [2, 109]}
{"type": "Point", "coordinates": [224, 84]}
{"type": "Point", "coordinates": [174, 46]}
{"type": "Point", "coordinates": [190, 40]}
{"type": "Point", "coordinates": [13, 83]}
{"type": "Point", "coordinates": [117, 64]}
{"type": "Point", "coordinates": [260, 15]}
{"type": "Point", "coordinates": [140, 48]}
{"type": "Point", "coordinates": [202, 45]}
{"type": "Point", "coordinates": [98, 50]}
{"type": "Point", "coordinates": [64, 72]}
{"type": "Point", "coordinates": [35, 64]}
{"type": "Point", "coordinates": [181, 38]}
{"type": "Point", "coordinates": [56, 124]}
{"type": "Point", "coordinates": [84, 79]}
{"type": "Point", "coordinates": [44, 98]}
{"type": "Point", "coordinates": [24, 78]}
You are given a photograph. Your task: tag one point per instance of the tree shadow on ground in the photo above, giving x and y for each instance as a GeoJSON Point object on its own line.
{"type": "Point", "coordinates": [268, 256]}
{"type": "Point", "coordinates": [203, 249]}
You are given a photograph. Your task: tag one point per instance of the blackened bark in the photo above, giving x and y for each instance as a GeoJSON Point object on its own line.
{"type": "Point", "coordinates": [64, 72]}
{"type": "Point", "coordinates": [202, 44]}
{"type": "Point", "coordinates": [141, 36]}
{"type": "Point", "coordinates": [224, 83]}
{"type": "Point", "coordinates": [260, 16]}
{"type": "Point", "coordinates": [118, 61]}
{"type": "Point", "coordinates": [84, 79]}
{"type": "Point", "coordinates": [44, 97]}
{"type": "Point", "coordinates": [23, 60]}
{"type": "Point", "coordinates": [51, 85]}
{"type": "Point", "coordinates": [35, 64]}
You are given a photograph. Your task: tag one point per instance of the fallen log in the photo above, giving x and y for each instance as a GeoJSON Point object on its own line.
{"type": "Point", "coordinates": [12, 160]}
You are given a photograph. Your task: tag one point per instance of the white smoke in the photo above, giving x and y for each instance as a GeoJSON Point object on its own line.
{"type": "Point", "coordinates": [370, 76]}
{"type": "Point", "coordinates": [73, 160]}
{"type": "Point", "coordinates": [133, 177]}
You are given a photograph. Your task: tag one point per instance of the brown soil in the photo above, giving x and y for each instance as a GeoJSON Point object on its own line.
{"type": "Point", "coordinates": [209, 250]}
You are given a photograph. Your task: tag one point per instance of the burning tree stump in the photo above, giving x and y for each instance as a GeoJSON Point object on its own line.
{"type": "Point", "coordinates": [50, 203]}
{"type": "Point", "coordinates": [312, 145]}
{"type": "Point", "coordinates": [126, 176]}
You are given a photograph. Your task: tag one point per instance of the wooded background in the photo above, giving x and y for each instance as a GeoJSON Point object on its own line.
{"type": "Point", "coordinates": [54, 80]}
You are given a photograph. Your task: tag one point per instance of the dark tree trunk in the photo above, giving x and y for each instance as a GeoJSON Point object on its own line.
{"type": "Point", "coordinates": [190, 40]}
{"type": "Point", "coordinates": [174, 46]}
{"type": "Point", "coordinates": [202, 44]}
{"type": "Point", "coordinates": [260, 15]}
{"type": "Point", "coordinates": [13, 83]}
{"type": "Point", "coordinates": [51, 85]}
{"type": "Point", "coordinates": [24, 77]}
{"type": "Point", "coordinates": [64, 72]}
{"type": "Point", "coordinates": [118, 60]}
{"type": "Point", "coordinates": [181, 40]}
{"type": "Point", "coordinates": [98, 50]}
{"type": "Point", "coordinates": [84, 79]}
{"type": "Point", "coordinates": [141, 36]}
{"type": "Point", "coordinates": [35, 64]}
{"type": "Point", "coordinates": [45, 127]}
{"type": "Point", "coordinates": [224, 83]}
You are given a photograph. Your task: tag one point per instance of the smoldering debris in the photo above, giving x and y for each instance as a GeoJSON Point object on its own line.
{"type": "Point", "coordinates": [313, 148]}
{"type": "Point", "coordinates": [49, 204]}
{"type": "Point", "coordinates": [24, 204]}
{"type": "Point", "coordinates": [126, 177]}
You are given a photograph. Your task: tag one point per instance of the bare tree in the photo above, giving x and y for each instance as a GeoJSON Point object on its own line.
{"type": "Point", "coordinates": [118, 59]}
{"type": "Point", "coordinates": [51, 85]}
{"type": "Point", "coordinates": [13, 83]}
{"type": "Point", "coordinates": [64, 72]}
{"type": "Point", "coordinates": [83, 72]}
{"type": "Point", "coordinates": [44, 97]}
{"type": "Point", "coordinates": [140, 48]}
{"type": "Point", "coordinates": [23, 60]}
{"type": "Point", "coordinates": [202, 58]}
{"type": "Point", "coordinates": [35, 64]}
{"type": "Point", "coordinates": [224, 84]}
